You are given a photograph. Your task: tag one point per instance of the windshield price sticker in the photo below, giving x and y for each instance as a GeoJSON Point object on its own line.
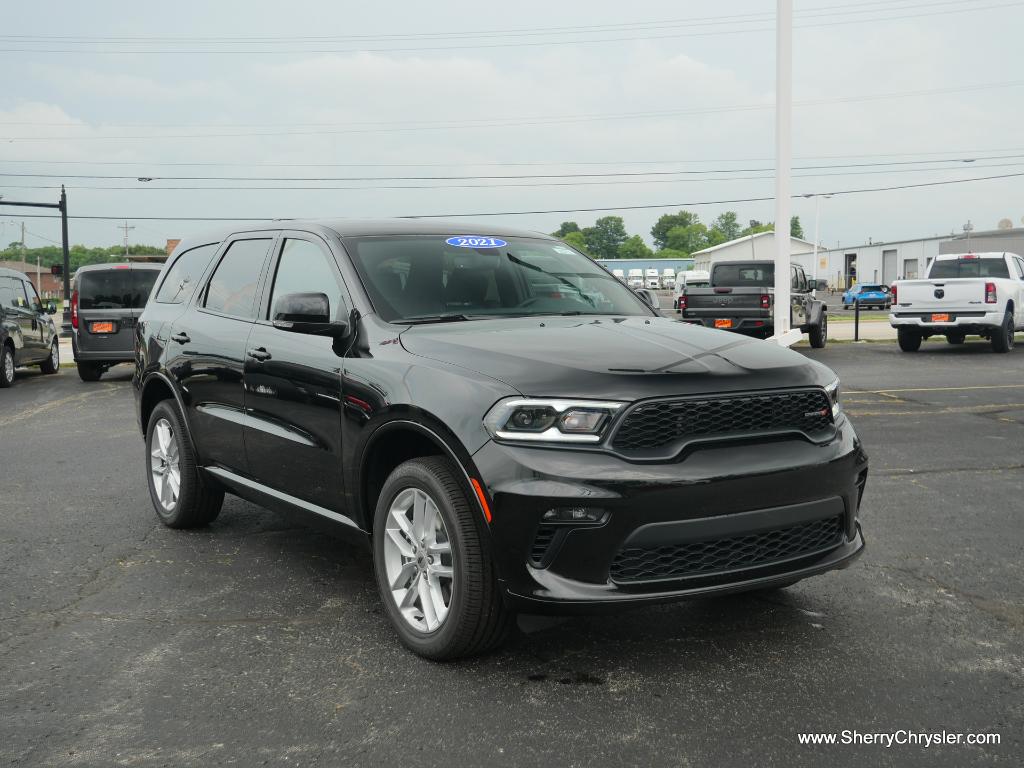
{"type": "Point", "coordinates": [475, 241]}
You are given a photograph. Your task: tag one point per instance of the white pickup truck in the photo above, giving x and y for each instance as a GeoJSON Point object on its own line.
{"type": "Point", "coordinates": [978, 294]}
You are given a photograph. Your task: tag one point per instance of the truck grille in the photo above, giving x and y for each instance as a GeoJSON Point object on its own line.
{"type": "Point", "coordinates": [665, 423]}
{"type": "Point", "coordinates": [715, 556]}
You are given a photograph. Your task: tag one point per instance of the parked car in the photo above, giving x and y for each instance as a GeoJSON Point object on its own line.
{"type": "Point", "coordinates": [106, 300]}
{"type": "Point", "coordinates": [28, 335]}
{"type": "Point", "coordinates": [976, 294]}
{"type": "Point", "coordinates": [504, 446]}
{"type": "Point", "coordinates": [868, 296]}
{"type": "Point", "coordinates": [741, 298]}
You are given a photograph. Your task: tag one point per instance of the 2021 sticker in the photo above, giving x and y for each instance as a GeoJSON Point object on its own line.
{"type": "Point", "coordinates": [476, 241]}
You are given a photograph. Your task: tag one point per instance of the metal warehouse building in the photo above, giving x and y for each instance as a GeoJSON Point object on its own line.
{"type": "Point", "coordinates": [907, 259]}
{"type": "Point", "coordinates": [679, 265]}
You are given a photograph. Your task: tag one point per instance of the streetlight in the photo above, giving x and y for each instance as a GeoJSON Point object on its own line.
{"type": "Point", "coordinates": [817, 217]}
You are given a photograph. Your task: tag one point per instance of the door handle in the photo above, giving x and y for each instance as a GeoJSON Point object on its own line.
{"type": "Point", "coordinates": [181, 338]}
{"type": "Point", "coordinates": [260, 353]}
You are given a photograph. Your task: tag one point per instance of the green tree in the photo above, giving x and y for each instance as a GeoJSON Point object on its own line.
{"type": "Point", "coordinates": [566, 228]}
{"type": "Point", "coordinates": [635, 248]}
{"type": "Point", "coordinates": [604, 238]}
{"type": "Point", "coordinates": [795, 230]}
{"type": "Point", "coordinates": [687, 239]}
{"type": "Point", "coordinates": [577, 241]}
{"type": "Point", "coordinates": [726, 227]}
{"type": "Point", "coordinates": [668, 253]}
{"type": "Point", "coordinates": [757, 227]}
{"type": "Point", "coordinates": [660, 230]}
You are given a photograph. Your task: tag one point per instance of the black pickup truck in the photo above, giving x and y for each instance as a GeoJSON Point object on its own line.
{"type": "Point", "coordinates": [741, 298]}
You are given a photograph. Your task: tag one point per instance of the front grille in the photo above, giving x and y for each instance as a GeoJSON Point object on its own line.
{"type": "Point", "coordinates": [656, 425]}
{"type": "Point", "coordinates": [714, 556]}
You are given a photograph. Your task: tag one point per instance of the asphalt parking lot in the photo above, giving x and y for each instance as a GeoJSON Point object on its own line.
{"type": "Point", "coordinates": [261, 641]}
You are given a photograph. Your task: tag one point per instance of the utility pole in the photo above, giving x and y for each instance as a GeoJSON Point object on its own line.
{"type": "Point", "coordinates": [125, 227]}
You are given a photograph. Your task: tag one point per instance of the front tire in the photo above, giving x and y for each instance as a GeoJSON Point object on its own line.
{"type": "Point", "coordinates": [52, 364]}
{"type": "Point", "coordinates": [433, 563]}
{"type": "Point", "coordinates": [6, 366]}
{"type": "Point", "coordinates": [910, 341]}
{"type": "Point", "coordinates": [1002, 338]}
{"type": "Point", "coordinates": [180, 496]}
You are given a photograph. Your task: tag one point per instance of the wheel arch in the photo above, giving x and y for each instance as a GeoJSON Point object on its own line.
{"type": "Point", "coordinates": [155, 389]}
{"type": "Point", "coordinates": [399, 440]}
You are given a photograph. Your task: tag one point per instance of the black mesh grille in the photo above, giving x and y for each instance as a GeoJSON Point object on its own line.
{"type": "Point", "coordinates": [660, 424]}
{"type": "Point", "coordinates": [542, 543]}
{"type": "Point", "coordinates": [706, 558]}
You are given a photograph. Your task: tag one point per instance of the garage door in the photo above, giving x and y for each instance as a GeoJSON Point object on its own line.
{"type": "Point", "coordinates": [888, 266]}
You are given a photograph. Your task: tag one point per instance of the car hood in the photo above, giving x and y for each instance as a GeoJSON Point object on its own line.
{"type": "Point", "coordinates": [611, 357]}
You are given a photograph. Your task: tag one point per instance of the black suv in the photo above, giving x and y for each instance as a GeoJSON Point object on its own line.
{"type": "Point", "coordinates": [511, 427]}
{"type": "Point", "coordinates": [28, 335]}
{"type": "Point", "coordinates": [106, 300]}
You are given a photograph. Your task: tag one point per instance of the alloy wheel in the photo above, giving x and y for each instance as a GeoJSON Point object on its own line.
{"type": "Point", "coordinates": [418, 560]}
{"type": "Point", "coordinates": [8, 365]}
{"type": "Point", "coordinates": [54, 355]}
{"type": "Point", "coordinates": [165, 470]}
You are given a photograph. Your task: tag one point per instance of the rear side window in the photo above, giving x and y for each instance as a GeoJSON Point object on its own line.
{"type": "Point", "coordinates": [115, 288]}
{"type": "Point", "coordinates": [232, 289]}
{"type": "Point", "coordinates": [7, 292]}
{"type": "Point", "coordinates": [953, 268]}
{"type": "Point", "coordinates": [183, 276]}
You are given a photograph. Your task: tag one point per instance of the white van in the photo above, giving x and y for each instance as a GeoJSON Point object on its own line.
{"type": "Point", "coordinates": [653, 281]}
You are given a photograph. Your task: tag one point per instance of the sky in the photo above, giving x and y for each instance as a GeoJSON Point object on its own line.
{"type": "Point", "coordinates": [675, 98]}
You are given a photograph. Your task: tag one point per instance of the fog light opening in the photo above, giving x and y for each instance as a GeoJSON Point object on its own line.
{"type": "Point", "coordinates": [575, 515]}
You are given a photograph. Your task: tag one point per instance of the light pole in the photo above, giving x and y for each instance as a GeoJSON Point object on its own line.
{"type": "Point", "coordinates": [817, 217]}
{"type": "Point", "coordinates": [783, 336]}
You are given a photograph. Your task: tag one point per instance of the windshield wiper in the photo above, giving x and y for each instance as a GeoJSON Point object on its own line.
{"type": "Point", "coordinates": [423, 319]}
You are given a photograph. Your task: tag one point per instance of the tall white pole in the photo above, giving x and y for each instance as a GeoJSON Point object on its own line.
{"type": "Point", "coordinates": [817, 217]}
{"type": "Point", "coordinates": [783, 164]}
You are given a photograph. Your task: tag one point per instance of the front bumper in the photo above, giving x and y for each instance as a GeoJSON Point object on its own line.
{"type": "Point", "coordinates": [730, 493]}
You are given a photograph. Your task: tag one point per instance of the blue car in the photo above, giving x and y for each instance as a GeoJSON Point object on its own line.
{"type": "Point", "coordinates": [869, 296]}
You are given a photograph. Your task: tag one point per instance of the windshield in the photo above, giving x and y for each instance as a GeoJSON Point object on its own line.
{"type": "Point", "coordinates": [115, 288]}
{"type": "Point", "coordinates": [950, 268]}
{"type": "Point", "coordinates": [424, 277]}
{"type": "Point", "coordinates": [874, 288]}
{"type": "Point", "coordinates": [743, 274]}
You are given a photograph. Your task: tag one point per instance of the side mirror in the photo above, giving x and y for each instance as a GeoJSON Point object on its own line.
{"type": "Point", "coordinates": [649, 297]}
{"type": "Point", "coordinates": [308, 313]}
{"type": "Point", "coordinates": [51, 308]}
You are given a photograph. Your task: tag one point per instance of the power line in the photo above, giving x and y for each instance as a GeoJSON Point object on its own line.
{"type": "Point", "coordinates": [494, 177]}
{"type": "Point", "coordinates": [689, 204]}
{"type": "Point", "coordinates": [483, 46]}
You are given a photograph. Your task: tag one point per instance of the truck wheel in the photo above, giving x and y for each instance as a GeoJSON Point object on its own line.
{"type": "Point", "coordinates": [910, 341]}
{"type": "Point", "coordinates": [89, 371]}
{"type": "Point", "coordinates": [180, 497]}
{"type": "Point", "coordinates": [1002, 337]}
{"type": "Point", "coordinates": [52, 363]}
{"type": "Point", "coordinates": [955, 337]}
{"type": "Point", "coordinates": [819, 333]}
{"type": "Point", "coordinates": [6, 366]}
{"type": "Point", "coordinates": [433, 564]}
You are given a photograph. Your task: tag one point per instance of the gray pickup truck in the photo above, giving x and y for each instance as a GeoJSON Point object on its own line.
{"type": "Point", "coordinates": [741, 298]}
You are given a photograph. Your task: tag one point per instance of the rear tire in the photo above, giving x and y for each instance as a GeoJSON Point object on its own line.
{"type": "Point", "coordinates": [194, 503]}
{"type": "Point", "coordinates": [1002, 338]}
{"type": "Point", "coordinates": [819, 333]}
{"type": "Point", "coordinates": [6, 366]}
{"type": "Point", "coordinates": [52, 363]}
{"type": "Point", "coordinates": [955, 338]}
{"type": "Point", "coordinates": [475, 618]}
{"type": "Point", "coordinates": [89, 371]}
{"type": "Point", "coordinates": [910, 341]}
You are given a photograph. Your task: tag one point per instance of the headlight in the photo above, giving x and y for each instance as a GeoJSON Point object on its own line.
{"type": "Point", "coordinates": [551, 421]}
{"type": "Point", "coordinates": [832, 390]}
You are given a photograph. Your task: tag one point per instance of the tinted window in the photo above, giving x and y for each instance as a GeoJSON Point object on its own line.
{"type": "Point", "coordinates": [115, 288]}
{"type": "Point", "coordinates": [952, 268]}
{"type": "Point", "coordinates": [1020, 267]}
{"type": "Point", "coordinates": [183, 276]}
{"type": "Point", "coordinates": [410, 277]}
{"type": "Point", "coordinates": [7, 295]}
{"type": "Point", "coordinates": [232, 289]}
{"type": "Point", "coordinates": [304, 268]}
{"type": "Point", "coordinates": [33, 297]}
{"type": "Point", "coordinates": [870, 288]}
{"type": "Point", "coordinates": [743, 274]}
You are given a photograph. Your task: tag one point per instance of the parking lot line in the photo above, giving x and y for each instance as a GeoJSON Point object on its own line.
{"type": "Point", "coordinates": [994, 408]}
{"type": "Point", "coordinates": [932, 389]}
